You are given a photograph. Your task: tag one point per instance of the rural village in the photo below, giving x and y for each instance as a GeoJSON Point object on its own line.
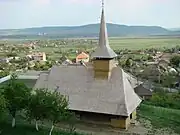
{"type": "Point", "coordinates": [105, 89]}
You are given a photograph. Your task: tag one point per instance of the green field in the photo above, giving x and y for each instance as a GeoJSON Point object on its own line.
{"type": "Point", "coordinates": [143, 43]}
{"type": "Point", "coordinates": [127, 43]}
{"type": "Point", "coordinates": [161, 117]}
{"type": "Point", "coordinates": [138, 43]}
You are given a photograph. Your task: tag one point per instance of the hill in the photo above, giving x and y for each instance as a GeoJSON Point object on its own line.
{"type": "Point", "coordinates": [91, 30]}
{"type": "Point", "coordinates": [175, 29]}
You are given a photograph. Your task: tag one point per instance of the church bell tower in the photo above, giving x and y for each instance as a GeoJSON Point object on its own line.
{"type": "Point", "coordinates": [103, 57]}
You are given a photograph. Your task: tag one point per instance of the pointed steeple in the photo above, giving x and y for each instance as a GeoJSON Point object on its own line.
{"type": "Point", "coordinates": [103, 50]}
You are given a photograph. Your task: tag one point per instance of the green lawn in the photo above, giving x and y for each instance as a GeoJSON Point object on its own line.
{"type": "Point", "coordinates": [5, 129]}
{"type": "Point", "coordinates": [161, 117]}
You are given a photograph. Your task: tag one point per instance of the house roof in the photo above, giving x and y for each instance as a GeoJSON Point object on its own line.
{"type": "Point", "coordinates": [38, 54]}
{"type": "Point", "coordinates": [103, 50]}
{"type": "Point", "coordinates": [82, 56]}
{"type": "Point", "coordinates": [142, 91]}
{"type": "Point", "coordinates": [115, 96]}
{"type": "Point", "coordinates": [133, 80]}
{"type": "Point", "coordinates": [66, 62]}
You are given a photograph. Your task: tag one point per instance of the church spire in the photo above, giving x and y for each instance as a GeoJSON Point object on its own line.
{"type": "Point", "coordinates": [102, 4]}
{"type": "Point", "coordinates": [103, 50]}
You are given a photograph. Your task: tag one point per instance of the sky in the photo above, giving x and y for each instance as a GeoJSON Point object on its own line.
{"type": "Point", "coordinates": [38, 13]}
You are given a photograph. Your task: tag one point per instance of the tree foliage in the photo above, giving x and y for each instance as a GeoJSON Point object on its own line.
{"type": "Point", "coordinates": [2, 106]}
{"type": "Point", "coordinates": [48, 105]}
{"type": "Point", "coordinates": [17, 95]}
{"type": "Point", "coordinates": [168, 80]}
{"type": "Point", "coordinates": [175, 60]}
{"type": "Point", "coordinates": [57, 106]}
{"type": "Point", "coordinates": [128, 62]}
{"type": "Point", "coordinates": [36, 109]}
{"type": "Point", "coordinates": [164, 99]}
{"type": "Point", "coordinates": [39, 105]}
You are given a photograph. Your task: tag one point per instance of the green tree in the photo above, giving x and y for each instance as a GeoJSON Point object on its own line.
{"type": "Point", "coordinates": [169, 79]}
{"type": "Point", "coordinates": [17, 95]}
{"type": "Point", "coordinates": [150, 57]}
{"type": "Point", "coordinates": [2, 106]}
{"type": "Point", "coordinates": [175, 60]}
{"type": "Point", "coordinates": [37, 66]}
{"type": "Point", "coordinates": [128, 63]}
{"type": "Point", "coordinates": [11, 55]}
{"type": "Point", "coordinates": [4, 73]}
{"type": "Point", "coordinates": [37, 109]}
{"type": "Point", "coordinates": [57, 106]}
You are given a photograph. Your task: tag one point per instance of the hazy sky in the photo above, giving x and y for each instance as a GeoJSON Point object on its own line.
{"type": "Point", "coordinates": [35, 13]}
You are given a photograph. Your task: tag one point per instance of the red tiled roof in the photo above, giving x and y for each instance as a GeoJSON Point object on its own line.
{"type": "Point", "coordinates": [82, 56]}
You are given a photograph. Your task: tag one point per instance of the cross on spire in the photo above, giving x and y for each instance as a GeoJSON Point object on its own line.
{"type": "Point", "coordinates": [102, 3]}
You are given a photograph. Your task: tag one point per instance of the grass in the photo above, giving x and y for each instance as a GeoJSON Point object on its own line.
{"type": "Point", "coordinates": [161, 117]}
{"type": "Point", "coordinates": [143, 43]}
{"type": "Point", "coordinates": [25, 129]}
{"type": "Point", "coordinates": [140, 43]}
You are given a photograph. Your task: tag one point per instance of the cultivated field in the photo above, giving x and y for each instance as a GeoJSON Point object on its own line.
{"type": "Point", "coordinates": [144, 43]}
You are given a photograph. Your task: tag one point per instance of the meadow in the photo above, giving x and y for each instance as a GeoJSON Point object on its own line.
{"type": "Point", "coordinates": [135, 43]}
{"type": "Point", "coordinates": [160, 118]}
{"type": "Point", "coordinates": [143, 43]}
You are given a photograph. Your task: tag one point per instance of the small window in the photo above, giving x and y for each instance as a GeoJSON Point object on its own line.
{"type": "Point", "coordinates": [131, 116]}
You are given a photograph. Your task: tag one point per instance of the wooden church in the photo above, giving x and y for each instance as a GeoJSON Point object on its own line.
{"type": "Point", "coordinates": [98, 92]}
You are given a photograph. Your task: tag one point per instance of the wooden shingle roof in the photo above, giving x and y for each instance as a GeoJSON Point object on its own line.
{"type": "Point", "coordinates": [115, 96]}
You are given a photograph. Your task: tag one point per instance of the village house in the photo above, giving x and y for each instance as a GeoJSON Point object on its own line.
{"type": "Point", "coordinates": [30, 46]}
{"type": "Point", "coordinates": [37, 56]}
{"type": "Point", "coordinates": [163, 63]}
{"type": "Point", "coordinates": [143, 92]}
{"type": "Point", "coordinates": [67, 62]}
{"type": "Point", "coordinates": [4, 60]}
{"type": "Point", "coordinates": [82, 57]}
{"type": "Point", "coordinates": [98, 92]}
{"type": "Point", "coordinates": [167, 56]}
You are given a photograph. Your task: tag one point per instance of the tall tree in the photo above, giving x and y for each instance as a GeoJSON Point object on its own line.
{"type": "Point", "coordinates": [175, 60]}
{"type": "Point", "coordinates": [17, 95]}
{"type": "Point", "coordinates": [128, 63]}
{"type": "Point", "coordinates": [2, 105]}
{"type": "Point", "coordinates": [36, 107]}
{"type": "Point", "coordinates": [57, 106]}
{"type": "Point", "coordinates": [169, 79]}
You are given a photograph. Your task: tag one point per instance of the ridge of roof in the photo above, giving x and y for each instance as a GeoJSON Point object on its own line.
{"type": "Point", "coordinates": [123, 89]}
{"type": "Point", "coordinates": [128, 96]}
